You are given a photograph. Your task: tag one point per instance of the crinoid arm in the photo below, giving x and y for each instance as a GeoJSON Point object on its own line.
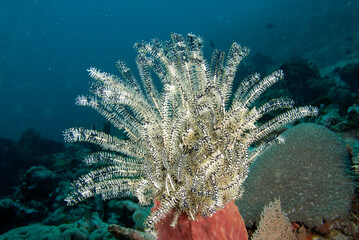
{"type": "Point", "coordinates": [188, 135]}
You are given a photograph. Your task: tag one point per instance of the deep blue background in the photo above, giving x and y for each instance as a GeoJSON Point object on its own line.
{"type": "Point", "coordinates": [46, 46]}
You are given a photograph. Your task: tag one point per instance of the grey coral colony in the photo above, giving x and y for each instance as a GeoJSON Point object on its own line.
{"type": "Point", "coordinates": [187, 133]}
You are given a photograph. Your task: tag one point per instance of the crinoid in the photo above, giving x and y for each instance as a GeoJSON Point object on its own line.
{"type": "Point", "coordinates": [187, 134]}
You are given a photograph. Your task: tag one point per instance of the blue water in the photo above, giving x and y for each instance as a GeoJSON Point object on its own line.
{"type": "Point", "coordinates": [46, 46]}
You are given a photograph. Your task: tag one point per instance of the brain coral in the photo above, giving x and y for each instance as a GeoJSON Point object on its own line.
{"type": "Point", "coordinates": [309, 173]}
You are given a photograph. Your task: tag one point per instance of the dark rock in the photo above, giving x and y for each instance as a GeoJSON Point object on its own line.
{"type": "Point", "coordinates": [122, 211]}
{"type": "Point", "coordinates": [32, 147]}
{"type": "Point", "coordinates": [341, 96]}
{"type": "Point", "coordinates": [13, 215]}
{"type": "Point", "coordinates": [349, 74]}
{"type": "Point", "coordinates": [303, 80]}
{"type": "Point", "coordinates": [353, 116]}
{"type": "Point", "coordinates": [38, 184]}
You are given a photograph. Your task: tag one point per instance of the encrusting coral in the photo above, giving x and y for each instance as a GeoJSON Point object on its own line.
{"type": "Point", "coordinates": [187, 134]}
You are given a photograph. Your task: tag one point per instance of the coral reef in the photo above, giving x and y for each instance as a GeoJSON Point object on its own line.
{"type": "Point", "coordinates": [28, 168]}
{"type": "Point", "coordinates": [187, 143]}
{"type": "Point", "coordinates": [38, 185]}
{"type": "Point", "coordinates": [127, 213]}
{"type": "Point", "coordinates": [16, 157]}
{"type": "Point", "coordinates": [350, 74]}
{"type": "Point", "coordinates": [13, 214]}
{"type": "Point", "coordinates": [33, 232]}
{"type": "Point", "coordinates": [302, 80]}
{"type": "Point", "coordinates": [80, 230]}
{"type": "Point", "coordinates": [139, 218]}
{"type": "Point", "coordinates": [37, 195]}
{"type": "Point", "coordinates": [310, 173]}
